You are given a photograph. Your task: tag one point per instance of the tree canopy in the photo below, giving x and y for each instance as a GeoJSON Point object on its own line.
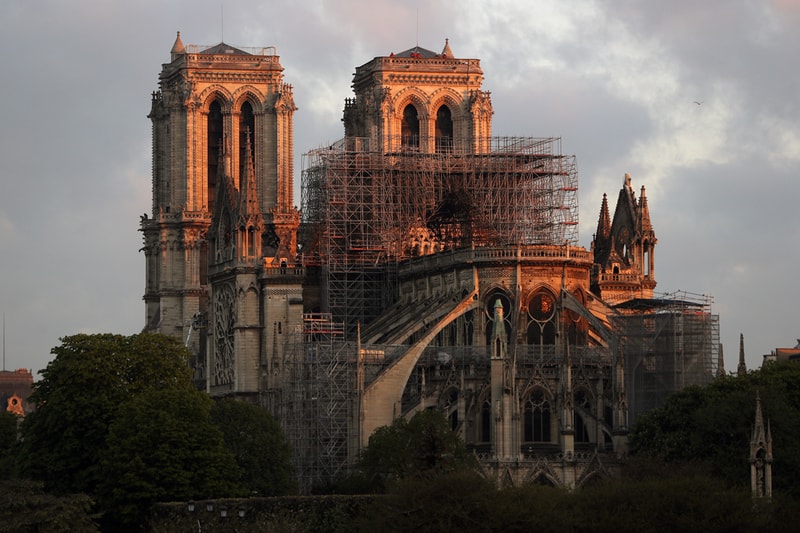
{"type": "Point", "coordinates": [163, 446]}
{"type": "Point", "coordinates": [79, 395]}
{"type": "Point", "coordinates": [8, 440]}
{"type": "Point", "coordinates": [258, 444]}
{"type": "Point", "coordinates": [424, 445]}
{"type": "Point", "coordinates": [714, 423]}
{"type": "Point", "coordinates": [26, 508]}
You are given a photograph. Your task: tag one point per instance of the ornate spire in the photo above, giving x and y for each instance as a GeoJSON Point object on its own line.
{"type": "Point", "coordinates": [760, 455]}
{"type": "Point", "coordinates": [741, 370]}
{"type": "Point", "coordinates": [604, 220]}
{"type": "Point", "coordinates": [644, 213]}
{"type": "Point", "coordinates": [248, 193]}
{"type": "Point", "coordinates": [499, 338]}
{"type": "Point", "coordinates": [720, 363]}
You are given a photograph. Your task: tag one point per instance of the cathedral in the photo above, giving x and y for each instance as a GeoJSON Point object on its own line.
{"type": "Point", "coordinates": [431, 265]}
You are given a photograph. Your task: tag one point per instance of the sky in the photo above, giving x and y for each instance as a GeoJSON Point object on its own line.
{"type": "Point", "coordinates": [698, 101]}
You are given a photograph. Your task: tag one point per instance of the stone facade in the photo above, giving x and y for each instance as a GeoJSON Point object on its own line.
{"type": "Point", "coordinates": [435, 268]}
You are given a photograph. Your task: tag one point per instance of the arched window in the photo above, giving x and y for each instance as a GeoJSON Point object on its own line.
{"type": "Point", "coordinates": [449, 404]}
{"type": "Point", "coordinates": [537, 418]}
{"type": "Point", "coordinates": [247, 128]}
{"type": "Point", "coordinates": [409, 129]}
{"type": "Point", "coordinates": [541, 326]}
{"type": "Point", "coordinates": [541, 334]}
{"type": "Point", "coordinates": [486, 421]}
{"type": "Point", "coordinates": [444, 130]}
{"type": "Point", "coordinates": [583, 406]}
{"type": "Point", "coordinates": [214, 131]}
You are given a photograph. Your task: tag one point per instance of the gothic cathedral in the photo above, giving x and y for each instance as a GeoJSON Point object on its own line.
{"type": "Point", "coordinates": [436, 267]}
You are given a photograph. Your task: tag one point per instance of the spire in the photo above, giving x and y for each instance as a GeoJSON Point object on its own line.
{"type": "Point", "coordinates": [248, 194]}
{"type": "Point", "coordinates": [760, 455]}
{"type": "Point", "coordinates": [499, 339]}
{"type": "Point", "coordinates": [177, 48]}
{"type": "Point", "coordinates": [644, 213]}
{"type": "Point", "coordinates": [741, 370]}
{"type": "Point", "coordinates": [604, 220]}
{"type": "Point", "coordinates": [446, 52]}
{"type": "Point", "coordinates": [720, 363]}
{"type": "Point", "coordinates": [758, 426]}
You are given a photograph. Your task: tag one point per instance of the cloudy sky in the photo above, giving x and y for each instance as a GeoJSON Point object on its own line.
{"type": "Point", "coordinates": [615, 79]}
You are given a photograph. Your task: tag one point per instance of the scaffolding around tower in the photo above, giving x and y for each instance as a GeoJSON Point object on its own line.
{"type": "Point", "coordinates": [669, 342]}
{"type": "Point", "coordinates": [365, 210]}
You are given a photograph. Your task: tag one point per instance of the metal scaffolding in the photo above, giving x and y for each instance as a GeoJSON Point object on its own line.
{"type": "Point", "coordinates": [316, 412]}
{"type": "Point", "coordinates": [668, 343]}
{"type": "Point", "coordinates": [365, 210]}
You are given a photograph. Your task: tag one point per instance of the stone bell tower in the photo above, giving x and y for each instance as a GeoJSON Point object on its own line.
{"type": "Point", "coordinates": [214, 101]}
{"type": "Point", "coordinates": [420, 100]}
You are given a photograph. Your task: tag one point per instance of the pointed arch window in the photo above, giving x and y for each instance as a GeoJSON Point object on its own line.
{"type": "Point", "coordinates": [214, 136]}
{"type": "Point", "coordinates": [247, 128]}
{"type": "Point", "coordinates": [542, 324]}
{"type": "Point", "coordinates": [537, 418]}
{"type": "Point", "coordinates": [486, 422]}
{"type": "Point", "coordinates": [583, 406]}
{"type": "Point", "coordinates": [444, 130]}
{"type": "Point", "coordinates": [409, 128]}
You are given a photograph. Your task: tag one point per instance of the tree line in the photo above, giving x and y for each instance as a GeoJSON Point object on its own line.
{"type": "Point", "coordinates": [119, 426]}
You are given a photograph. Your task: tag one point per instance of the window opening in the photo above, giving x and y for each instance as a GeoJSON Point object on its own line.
{"type": "Point", "coordinates": [214, 136]}
{"type": "Point", "coordinates": [444, 130]}
{"type": "Point", "coordinates": [409, 129]}
{"type": "Point", "coordinates": [247, 127]}
{"type": "Point", "coordinates": [537, 418]}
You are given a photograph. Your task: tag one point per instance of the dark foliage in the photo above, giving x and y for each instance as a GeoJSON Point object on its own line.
{"type": "Point", "coordinates": [713, 425]}
{"type": "Point", "coordinates": [163, 446]}
{"type": "Point", "coordinates": [79, 395]}
{"type": "Point", "coordinates": [258, 445]}
{"type": "Point", "coordinates": [26, 508]}
{"type": "Point", "coordinates": [8, 443]}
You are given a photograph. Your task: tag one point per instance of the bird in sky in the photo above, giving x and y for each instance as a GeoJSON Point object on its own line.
{"type": "Point", "coordinates": [698, 103]}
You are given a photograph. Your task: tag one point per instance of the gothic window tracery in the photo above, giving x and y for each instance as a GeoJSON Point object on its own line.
{"type": "Point", "coordinates": [537, 418]}
{"type": "Point", "coordinates": [541, 319]}
{"type": "Point", "coordinates": [224, 322]}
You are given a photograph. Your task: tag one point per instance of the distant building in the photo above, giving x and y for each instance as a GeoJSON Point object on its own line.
{"type": "Point", "coordinates": [435, 266]}
{"type": "Point", "coordinates": [784, 354]}
{"type": "Point", "coordinates": [15, 389]}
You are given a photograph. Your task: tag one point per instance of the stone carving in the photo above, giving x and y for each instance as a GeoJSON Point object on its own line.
{"type": "Point", "coordinates": [224, 322]}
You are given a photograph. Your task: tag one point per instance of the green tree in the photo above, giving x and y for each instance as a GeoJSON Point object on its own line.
{"type": "Point", "coordinates": [26, 508]}
{"type": "Point", "coordinates": [8, 441]}
{"type": "Point", "coordinates": [163, 446]}
{"type": "Point", "coordinates": [424, 445]}
{"type": "Point", "coordinates": [258, 445]}
{"type": "Point", "coordinates": [456, 500]}
{"type": "Point", "coordinates": [79, 395]}
{"type": "Point", "coordinates": [713, 424]}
